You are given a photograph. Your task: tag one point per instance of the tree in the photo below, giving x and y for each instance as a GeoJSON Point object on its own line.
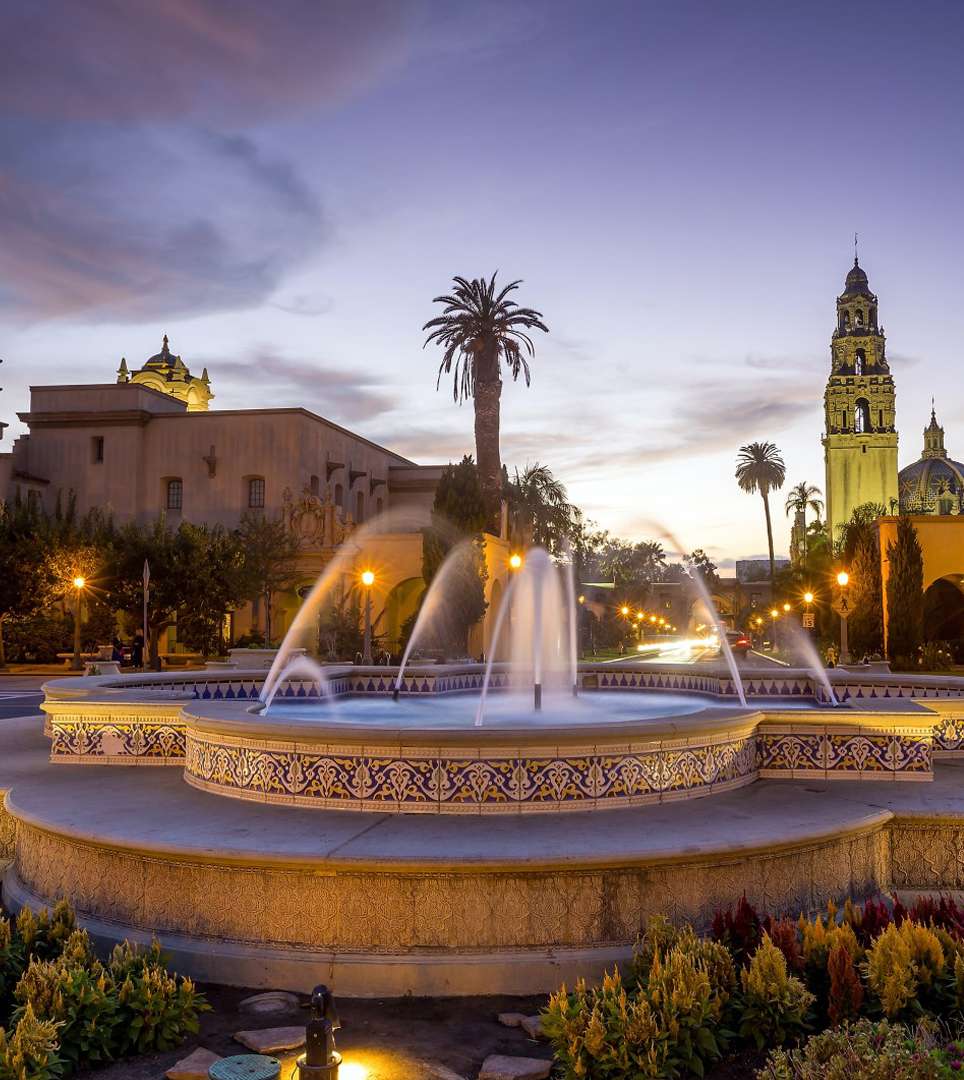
{"type": "Point", "coordinates": [212, 565]}
{"type": "Point", "coordinates": [270, 550]}
{"type": "Point", "coordinates": [866, 622]}
{"type": "Point", "coordinates": [760, 468]}
{"type": "Point", "coordinates": [803, 497]}
{"type": "Point", "coordinates": [905, 594]}
{"type": "Point", "coordinates": [705, 566]}
{"type": "Point", "coordinates": [539, 510]}
{"type": "Point", "coordinates": [458, 516]}
{"type": "Point", "coordinates": [861, 524]}
{"type": "Point", "coordinates": [26, 586]}
{"type": "Point", "coordinates": [480, 329]}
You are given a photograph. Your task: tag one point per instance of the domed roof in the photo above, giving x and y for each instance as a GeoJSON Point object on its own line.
{"type": "Point", "coordinates": [857, 283]}
{"type": "Point", "coordinates": [930, 477]}
{"type": "Point", "coordinates": [162, 359]}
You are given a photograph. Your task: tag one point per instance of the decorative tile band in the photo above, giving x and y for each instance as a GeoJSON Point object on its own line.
{"type": "Point", "coordinates": [460, 781]}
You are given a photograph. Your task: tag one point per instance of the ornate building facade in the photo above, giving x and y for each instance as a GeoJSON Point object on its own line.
{"type": "Point", "coordinates": [860, 433]}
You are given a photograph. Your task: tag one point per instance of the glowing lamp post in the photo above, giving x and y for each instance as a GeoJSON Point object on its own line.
{"type": "Point", "coordinates": [515, 562]}
{"type": "Point", "coordinates": [79, 583]}
{"type": "Point", "coordinates": [367, 580]}
{"type": "Point", "coordinates": [842, 608]}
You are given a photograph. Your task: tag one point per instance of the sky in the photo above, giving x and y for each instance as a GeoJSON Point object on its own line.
{"type": "Point", "coordinates": [283, 188]}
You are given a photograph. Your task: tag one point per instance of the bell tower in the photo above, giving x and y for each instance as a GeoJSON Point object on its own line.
{"type": "Point", "coordinates": [860, 437]}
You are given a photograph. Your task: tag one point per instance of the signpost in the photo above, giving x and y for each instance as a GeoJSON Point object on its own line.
{"type": "Point", "coordinates": [841, 606]}
{"type": "Point", "coordinates": [147, 593]}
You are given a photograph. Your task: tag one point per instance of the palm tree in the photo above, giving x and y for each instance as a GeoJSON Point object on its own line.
{"type": "Point", "coordinates": [803, 497]}
{"type": "Point", "coordinates": [539, 509]}
{"type": "Point", "coordinates": [479, 330]}
{"type": "Point", "coordinates": [760, 468]}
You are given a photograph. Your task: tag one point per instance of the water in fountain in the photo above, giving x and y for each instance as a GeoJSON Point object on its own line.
{"type": "Point", "coordinates": [704, 593]}
{"type": "Point", "coordinates": [570, 578]}
{"type": "Point", "coordinates": [301, 667]}
{"type": "Point", "coordinates": [803, 645]}
{"type": "Point", "coordinates": [431, 616]}
{"type": "Point", "coordinates": [539, 650]}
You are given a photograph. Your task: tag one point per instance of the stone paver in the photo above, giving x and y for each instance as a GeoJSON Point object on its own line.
{"type": "Point", "coordinates": [194, 1067]}
{"type": "Point", "coordinates": [532, 1026]}
{"type": "Point", "coordinates": [511, 1019]}
{"type": "Point", "coordinates": [272, 1040]}
{"type": "Point", "coordinates": [500, 1067]}
{"type": "Point", "coordinates": [273, 1001]}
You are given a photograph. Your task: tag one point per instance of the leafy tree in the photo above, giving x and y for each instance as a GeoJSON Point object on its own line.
{"type": "Point", "coordinates": [860, 525]}
{"type": "Point", "coordinates": [270, 550]}
{"type": "Point", "coordinates": [760, 469]}
{"type": "Point", "coordinates": [340, 634]}
{"type": "Point", "coordinates": [156, 543]}
{"type": "Point", "coordinates": [481, 329]}
{"type": "Point", "coordinates": [212, 564]}
{"type": "Point", "coordinates": [539, 510]}
{"type": "Point", "coordinates": [905, 593]}
{"type": "Point", "coordinates": [706, 568]}
{"type": "Point", "coordinates": [458, 514]}
{"type": "Point", "coordinates": [803, 497]}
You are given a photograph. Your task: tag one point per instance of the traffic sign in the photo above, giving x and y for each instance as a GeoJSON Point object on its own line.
{"type": "Point", "coordinates": [809, 620]}
{"type": "Point", "coordinates": [841, 605]}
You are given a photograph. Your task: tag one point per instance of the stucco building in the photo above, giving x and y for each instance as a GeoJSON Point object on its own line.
{"type": "Point", "coordinates": [149, 444]}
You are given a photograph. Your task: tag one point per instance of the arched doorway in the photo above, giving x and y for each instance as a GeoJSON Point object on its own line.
{"type": "Point", "coordinates": [944, 611]}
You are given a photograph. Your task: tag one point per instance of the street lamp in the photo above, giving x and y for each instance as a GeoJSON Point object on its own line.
{"type": "Point", "coordinates": [79, 583]}
{"type": "Point", "coordinates": [624, 611]}
{"type": "Point", "coordinates": [808, 598]}
{"type": "Point", "coordinates": [367, 580]}
{"type": "Point", "coordinates": [786, 608]}
{"type": "Point", "coordinates": [842, 608]}
{"type": "Point", "coordinates": [515, 561]}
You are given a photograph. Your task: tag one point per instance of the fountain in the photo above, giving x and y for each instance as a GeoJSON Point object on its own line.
{"type": "Point", "coordinates": [300, 667]}
{"type": "Point", "coordinates": [803, 644]}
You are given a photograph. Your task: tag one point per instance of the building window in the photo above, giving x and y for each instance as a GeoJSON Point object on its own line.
{"type": "Point", "coordinates": [861, 416]}
{"type": "Point", "coordinates": [379, 505]}
{"type": "Point", "coordinates": [844, 319]}
{"type": "Point", "coordinates": [97, 449]}
{"type": "Point", "coordinates": [359, 507]}
{"type": "Point", "coordinates": [314, 485]}
{"type": "Point", "coordinates": [843, 421]}
{"type": "Point", "coordinates": [860, 359]}
{"type": "Point", "coordinates": [33, 500]}
{"type": "Point", "coordinates": [175, 494]}
{"type": "Point", "coordinates": [256, 493]}
{"type": "Point", "coordinates": [859, 318]}
{"type": "Point", "coordinates": [339, 497]}
{"type": "Point", "coordinates": [880, 419]}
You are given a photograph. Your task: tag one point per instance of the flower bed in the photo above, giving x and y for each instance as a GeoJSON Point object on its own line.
{"type": "Point", "coordinates": [62, 1008]}
{"type": "Point", "coordinates": [876, 980]}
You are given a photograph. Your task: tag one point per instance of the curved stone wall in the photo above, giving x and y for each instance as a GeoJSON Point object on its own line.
{"type": "Point", "coordinates": [464, 930]}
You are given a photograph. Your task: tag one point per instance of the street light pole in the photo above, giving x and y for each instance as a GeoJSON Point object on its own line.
{"type": "Point", "coordinates": [77, 663]}
{"type": "Point", "coordinates": [843, 610]}
{"type": "Point", "coordinates": [368, 579]}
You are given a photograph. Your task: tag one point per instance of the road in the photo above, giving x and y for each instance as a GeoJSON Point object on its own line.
{"type": "Point", "coordinates": [696, 654]}
{"type": "Point", "coordinates": [20, 695]}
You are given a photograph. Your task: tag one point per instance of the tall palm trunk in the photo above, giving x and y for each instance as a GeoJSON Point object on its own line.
{"type": "Point", "coordinates": [766, 510]}
{"type": "Point", "coordinates": [488, 392]}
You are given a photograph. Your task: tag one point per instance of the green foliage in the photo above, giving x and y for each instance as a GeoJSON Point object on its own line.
{"type": "Point", "coordinates": [935, 656]}
{"type": "Point", "coordinates": [539, 511]}
{"type": "Point", "coordinates": [866, 623]}
{"type": "Point", "coordinates": [37, 637]}
{"type": "Point", "coordinates": [30, 1051]}
{"type": "Point", "coordinates": [903, 969]}
{"type": "Point", "coordinates": [905, 592]}
{"type": "Point", "coordinates": [458, 517]}
{"type": "Point", "coordinates": [157, 1010]}
{"type": "Point", "coordinates": [865, 1051]}
{"type": "Point", "coordinates": [75, 993]}
{"type": "Point", "coordinates": [340, 630]}
{"type": "Point", "coordinates": [760, 469]}
{"type": "Point", "coordinates": [775, 1004]}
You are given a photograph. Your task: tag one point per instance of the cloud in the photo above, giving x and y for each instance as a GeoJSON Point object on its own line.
{"type": "Point", "coordinates": [332, 392]}
{"type": "Point", "coordinates": [138, 60]}
{"type": "Point", "coordinates": [132, 181]}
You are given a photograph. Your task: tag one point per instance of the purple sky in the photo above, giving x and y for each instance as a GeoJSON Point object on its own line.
{"type": "Point", "coordinates": [284, 188]}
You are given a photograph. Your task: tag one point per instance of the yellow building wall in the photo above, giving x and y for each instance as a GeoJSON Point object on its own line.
{"type": "Point", "coordinates": [942, 545]}
{"type": "Point", "coordinates": [855, 476]}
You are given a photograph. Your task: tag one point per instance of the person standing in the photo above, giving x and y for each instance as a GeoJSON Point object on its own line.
{"type": "Point", "coordinates": [137, 650]}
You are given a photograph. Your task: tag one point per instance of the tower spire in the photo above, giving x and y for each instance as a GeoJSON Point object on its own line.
{"type": "Point", "coordinates": [855, 250]}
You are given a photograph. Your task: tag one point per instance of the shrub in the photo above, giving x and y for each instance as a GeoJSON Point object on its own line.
{"type": "Point", "coordinates": [775, 1003]}
{"type": "Point", "coordinates": [43, 936]}
{"type": "Point", "coordinates": [30, 1052]}
{"type": "Point", "coordinates": [903, 967]}
{"type": "Point", "coordinates": [75, 993]}
{"type": "Point", "coordinates": [157, 1010]}
{"type": "Point", "coordinates": [846, 991]}
{"type": "Point", "coordinates": [602, 1033]}
{"type": "Point", "coordinates": [862, 1051]}
{"type": "Point", "coordinates": [740, 931]}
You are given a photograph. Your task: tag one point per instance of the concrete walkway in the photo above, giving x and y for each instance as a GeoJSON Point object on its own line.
{"type": "Point", "coordinates": [152, 809]}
